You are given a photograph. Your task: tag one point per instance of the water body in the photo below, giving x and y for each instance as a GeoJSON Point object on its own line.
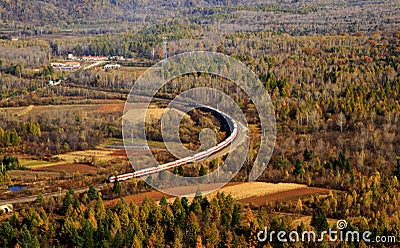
{"type": "Point", "coordinates": [16, 188]}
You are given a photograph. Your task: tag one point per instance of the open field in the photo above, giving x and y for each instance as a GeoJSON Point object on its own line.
{"type": "Point", "coordinates": [38, 110]}
{"type": "Point", "coordinates": [240, 191]}
{"type": "Point", "coordinates": [156, 195]}
{"type": "Point", "coordinates": [287, 195]}
{"type": "Point", "coordinates": [69, 168]}
{"type": "Point", "coordinates": [107, 108]}
{"type": "Point", "coordinates": [100, 154]}
{"type": "Point", "coordinates": [29, 175]}
{"type": "Point", "coordinates": [133, 69]}
{"type": "Point", "coordinates": [99, 106]}
{"type": "Point", "coordinates": [254, 189]}
{"type": "Point", "coordinates": [136, 114]}
{"type": "Point", "coordinates": [73, 158]}
{"type": "Point", "coordinates": [33, 162]}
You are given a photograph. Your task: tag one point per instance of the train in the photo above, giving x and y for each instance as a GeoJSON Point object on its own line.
{"type": "Point", "coordinates": [199, 156]}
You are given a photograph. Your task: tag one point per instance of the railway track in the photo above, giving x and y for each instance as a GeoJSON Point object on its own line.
{"type": "Point", "coordinates": [214, 151]}
{"type": "Point", "coordinates": [199, 156]}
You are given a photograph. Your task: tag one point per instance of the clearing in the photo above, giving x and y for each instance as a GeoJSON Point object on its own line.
{"type": "Point", "coordinates": [286, 195]}
{"type": "Point", "coordinates": [69, 168]}
{"type": "Point", "coordinates": [240, 191]}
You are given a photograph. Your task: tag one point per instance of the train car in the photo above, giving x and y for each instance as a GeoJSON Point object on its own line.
{"type": "Point", "coordinates": [121, 177]}
{"type": "Point", "coordinates": [233, 128]}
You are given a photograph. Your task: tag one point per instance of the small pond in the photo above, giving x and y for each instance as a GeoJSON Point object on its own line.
{"type": "Point", "coordinates": [16, 187]}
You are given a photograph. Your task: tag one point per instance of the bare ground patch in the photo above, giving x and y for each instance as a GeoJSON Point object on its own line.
{"type": "Point", "coordinates": [287, 195]}
{"type": "Point", "coordinates": [109, 108]}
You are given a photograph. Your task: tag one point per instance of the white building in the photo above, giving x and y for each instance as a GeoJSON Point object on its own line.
{"type": "Point", "coordinates": [8, 208]}
{"type": "Point", "coordinates": [68, 66]}
{"type": "Point", "coordinates": [112, 66]}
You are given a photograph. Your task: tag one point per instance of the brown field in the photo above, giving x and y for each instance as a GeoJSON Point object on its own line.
{"type": "Point", "coordinates": [288, 195]}
{"type": "Point", "coordinates": [100, 154]}
{"type": "Point", "coordinates": [103, 106]}
{"type": "Point", "coordinates": [27, 175]}
{"type": "Point", "coordinates": [137, 115]}
{"type": "Point", "coordinates": [121, 153]}
{"type": "Point", "coordinates": [70, 161]}
{"type": "Point", "coordinates": [244, 192]}
{"type": "Point", "coordinates": [109, 108]}
{"type": "Point", "coordinates": [256, 189]}
{"type": "Point", "coordinates": [81, 168]}
{"type": "Point", "coordinates": [157, 195]}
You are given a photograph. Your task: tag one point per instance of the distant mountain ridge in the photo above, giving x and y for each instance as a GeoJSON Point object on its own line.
{"type": "Point", "coordinates": [70, 10]}
{"type": "Point", "coordinates": [37, 12]}
{"type": "Point", "coordinates": [104, 16]}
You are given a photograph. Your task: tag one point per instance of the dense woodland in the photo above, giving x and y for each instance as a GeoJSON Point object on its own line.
{"type": "Point", "coordinates": [108, 16]}
{"type": "Point", "coordinates": [84, 221]}
{"type": "Point", "coordinates": [332, 70]}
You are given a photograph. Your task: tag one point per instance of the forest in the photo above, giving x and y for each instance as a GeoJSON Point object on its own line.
{"type": "Point", "coordinates": [84, 221]}
{"type": "Point", "coordinates": [331, 69]}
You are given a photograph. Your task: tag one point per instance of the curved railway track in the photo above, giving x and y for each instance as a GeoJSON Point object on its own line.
{"type": "Point", "coordinates": [201, 155]}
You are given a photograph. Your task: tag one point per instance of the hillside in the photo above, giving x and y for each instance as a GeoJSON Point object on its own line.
{"type": "Point", "coordinates": [33, 17]}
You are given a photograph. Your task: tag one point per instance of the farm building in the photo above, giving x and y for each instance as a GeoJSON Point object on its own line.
{"type": "Point", "coordinates": [112, 66]}
{"type": "Point", "coordinates": [68, 66]}
{"type": "Point", "coordinates": [93, 58]}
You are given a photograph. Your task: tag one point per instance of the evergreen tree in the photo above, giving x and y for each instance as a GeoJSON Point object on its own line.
{"type": "Point", "coordinates": [66, 202]}
{"type": "Point", "coordinates": [118, 240]}
{"type": "Point", "coordinates": [202, 171]}
{"type": "Point", "coordinates": [14, 138]}
{"type": "Point", "coordinates": [163, 202]}
{"type": "Point", "coordinates": [76, 239]}
{"type": "Point", "coordinates": [212, 239]}
{"type": "Point", "coordinates": [192, 230]}
{"type": "Point", "coordinates": [235, 216]}
{"type": "Point", "coordinates": [7, 235]}
{"type": "Point", "coordinates": [343, 162]}
{"type": "Point", "coordinates": [129, 236]}
{"type": "Point", "coordinates": [88, 235]}
{"type": "Point", "coordinates": [307, 155]}
{"type": "Point", "coordinates": [298, 168]}
{"type": "Point", "coordinates": [25, 238]}
{"type": "Point", "coordinates": [318, 220]}
{"type": "Point", "coordinates": [100, 210]}
{"type": "Point", "coordinates": [117, 187]}
{"type": "Point", "coordinates": [180, 171]}
{"type": "Point", "coordinates": [92, 193]}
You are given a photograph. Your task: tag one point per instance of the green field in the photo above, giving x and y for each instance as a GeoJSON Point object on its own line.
{"type": "Point", "coordinates": [33, 162]}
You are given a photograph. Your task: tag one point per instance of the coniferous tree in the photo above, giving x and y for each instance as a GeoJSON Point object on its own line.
{"type": "Point", "coordinates": [92, 193]}
{"type": "Point", "coordinates": [298, 168]}
{"type": "Point", "coordinates": [116, 187]}
{"type": "Point", "coordinates": [88, 235]}
{"type": "Point", "coordinates": [7, 234]}
{"type": "Point", "coordinates": [318, 220]}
